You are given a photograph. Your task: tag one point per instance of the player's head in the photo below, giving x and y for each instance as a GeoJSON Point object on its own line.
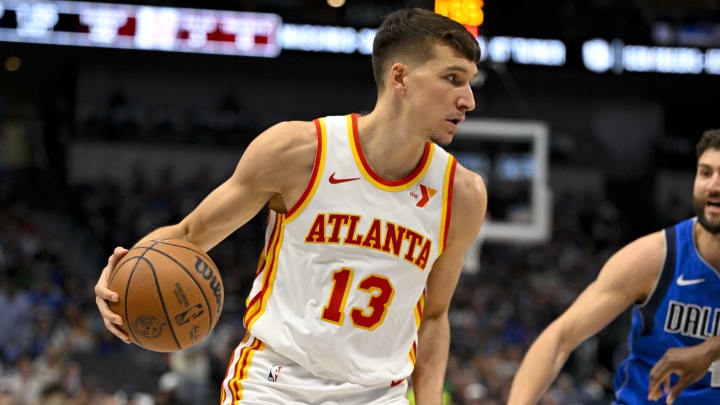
{"type": "Point", "coordinates": [429, 60]}
{"type": "Point", "coordinates": [706, 192]}
{"type": "Point", "coordinates": [410, 35]}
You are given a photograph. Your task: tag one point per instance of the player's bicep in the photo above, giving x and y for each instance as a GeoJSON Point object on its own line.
{"type": "Point", "coordinates": [224, 210]}
{"type": "Point", "coordinates": [468, 213]}
{"type": "Point", "coordinates": [591, 311]}
{"type": "Point", "coordinates": [441, 283]}
{"type": "Point", "coordinates": [628, 277]}
{"type": "Point", "coordinates": [273, 163]}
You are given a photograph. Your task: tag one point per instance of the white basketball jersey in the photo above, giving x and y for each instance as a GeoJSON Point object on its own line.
{"type": "Point", "coordinates": [340, 286]}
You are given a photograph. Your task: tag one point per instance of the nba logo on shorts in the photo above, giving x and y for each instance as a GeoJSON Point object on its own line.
{"type": "Point", "coordinates": [274, 371]}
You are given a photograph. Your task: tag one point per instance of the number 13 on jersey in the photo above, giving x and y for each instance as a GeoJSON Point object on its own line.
{"type": "Point", "coordinates": [381, 293]}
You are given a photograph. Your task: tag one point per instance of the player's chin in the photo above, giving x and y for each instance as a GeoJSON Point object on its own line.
{"type": "Point", "coordinates": [711, 223]}
{"type": "Point", "coordinates": [443, 138]}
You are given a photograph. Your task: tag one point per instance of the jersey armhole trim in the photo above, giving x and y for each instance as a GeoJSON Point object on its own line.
{"type": "Point", "coordinates": [258, 303]}
{"type": "Point", "coordinates": [667, 272]}
{"type": "Point", "coordinates": [447, 202]}
{"type": "Point", "coordinates": [660, 273]}
{"type": "Point", "coordinates": [316, 173]}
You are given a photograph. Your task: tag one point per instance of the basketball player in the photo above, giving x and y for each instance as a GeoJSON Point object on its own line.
{"type": "Point", "coordinates": [368, 222]}
{"type": "Point", "coordinates": [672, 277]}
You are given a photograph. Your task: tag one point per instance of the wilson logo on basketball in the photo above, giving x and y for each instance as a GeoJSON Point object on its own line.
{"type": "Point", "coordinates": [206, 272]}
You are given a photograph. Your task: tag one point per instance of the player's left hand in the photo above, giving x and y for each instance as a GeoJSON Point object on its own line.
{"type": "Point", "coordinates": [689, 363]}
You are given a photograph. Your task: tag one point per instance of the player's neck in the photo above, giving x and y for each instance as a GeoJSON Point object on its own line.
{"type": "Point", "coordinates": [390, 144]}
{"type": "Point", "coordinates": [708, 246]}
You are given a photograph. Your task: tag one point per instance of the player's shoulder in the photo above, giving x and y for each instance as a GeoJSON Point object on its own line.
{"type": "Point", "coordinates": [650, 247]}
{"type": "Point", "coordinates": [638, 263]}
{"type": "Point", "coordinates": [292, 133]}
{"type": "Point", "coordinates": [468, 189]}
{"type": "Point", "coordinates": [469, 204]}
{"type": "Point", "coordinates": [287, 142]}
{"type": "Point", "coordinates": [468, 186]}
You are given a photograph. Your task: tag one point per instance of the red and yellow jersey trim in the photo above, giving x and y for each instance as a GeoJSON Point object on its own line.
{"type": "Point", "coordinates": [447, 202]}
{"type": "Point", "coordinates": [263, 253]}
{"type": "Point", "coordinates": [419, 309]}
{"type": "Point", "coordinates": [374, 178]}
{"type": "Point", "coordinates": [256, 305]}
{"type": "Point", "coordinates": [317, 171]}
{"type": "Point", "coordinates": [418, 317]}
{"type": "Point", "coordinates": [413, 354]}
{"type": "Point", "coordinates": [263, 262]}
{"type": "Point", "coordinates": [240, 371]}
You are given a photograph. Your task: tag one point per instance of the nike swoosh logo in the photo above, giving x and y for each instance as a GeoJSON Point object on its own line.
{"type": "Point", "coordinates": [333, 180]}
{"type": "Point", "coordinates": [394, 383]}
{"type": "Point", "coordinates": [682, 282]}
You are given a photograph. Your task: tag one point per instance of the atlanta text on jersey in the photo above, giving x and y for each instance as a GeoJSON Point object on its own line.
{"type": "Point", "coordinates": [391, 242]}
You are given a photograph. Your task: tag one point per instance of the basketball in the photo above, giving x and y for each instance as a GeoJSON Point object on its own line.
{"type": "Point", "coordinates": [170, 294]}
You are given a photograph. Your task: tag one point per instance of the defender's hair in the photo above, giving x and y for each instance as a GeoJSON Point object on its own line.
{"type": "Point", "coordinates": [413, 33]}
{"type": "Point", "coordinates": [710, 140]}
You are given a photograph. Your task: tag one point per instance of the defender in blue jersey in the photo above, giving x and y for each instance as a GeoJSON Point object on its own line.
{"type": "Point", "coordinates": [672, 279]}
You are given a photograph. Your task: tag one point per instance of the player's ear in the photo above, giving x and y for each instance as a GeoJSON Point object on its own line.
{"type": "Point", "coordinates": [398, 76]}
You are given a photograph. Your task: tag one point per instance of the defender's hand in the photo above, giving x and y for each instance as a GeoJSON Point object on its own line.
{"type": "Point", "coordinates": [104, 294]}
{"type": "Point", "coordinates": [689, 363]}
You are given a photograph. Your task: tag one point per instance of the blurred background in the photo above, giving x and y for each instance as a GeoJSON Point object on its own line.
{"type": "Point", "coordinates": [116, 119]}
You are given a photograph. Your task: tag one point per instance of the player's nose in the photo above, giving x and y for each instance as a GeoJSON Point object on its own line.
{"type": "Point", "coordinates": [466, 101]}
{"type": "Point", "coordinates": [713, 186]}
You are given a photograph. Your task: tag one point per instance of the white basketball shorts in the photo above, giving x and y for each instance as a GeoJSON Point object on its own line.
{"type": "Point", "coordinates": [257, 375]}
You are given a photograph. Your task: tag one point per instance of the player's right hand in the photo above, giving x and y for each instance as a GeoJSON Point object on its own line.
{"type": "Point", "coordinates": [103, 294]}
{"type": "Point", "coordinates": [689, 363]}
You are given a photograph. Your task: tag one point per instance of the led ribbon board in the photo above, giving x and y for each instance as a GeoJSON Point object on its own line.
{"type": "Point", "coordinates": [600, 56]}
{"type": "Point", "coordinates": [217, 32]}
{"type": "Point", "coordinates": [139, 27]}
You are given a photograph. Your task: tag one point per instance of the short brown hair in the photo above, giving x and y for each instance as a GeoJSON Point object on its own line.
{"type": "Point", "coordinates": [414, 32]}
{"type": "Point", "coordinates": [710, 140]}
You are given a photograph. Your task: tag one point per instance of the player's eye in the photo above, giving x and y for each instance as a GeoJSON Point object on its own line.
{"type": "Point", "coordinates": [452, 78]}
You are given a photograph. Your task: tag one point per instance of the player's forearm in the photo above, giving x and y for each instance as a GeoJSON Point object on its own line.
{"type": "Point", "coordinates": [177, 231]}
{"type": "Point", "coordinates": [432, 354]}
{"type": "Point", "coordinates": [541, 365]}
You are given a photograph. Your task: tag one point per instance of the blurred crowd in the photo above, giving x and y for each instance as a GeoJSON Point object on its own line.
{"type": "Point", "coordinates": [499, 311]}
{"type": "Point", "coordinates": [223, 123]}
{"type": "Point", "coordinates": [54, 348]}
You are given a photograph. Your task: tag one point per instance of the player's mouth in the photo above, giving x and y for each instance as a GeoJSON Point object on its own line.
{"type": "Point", "coordinates": [713, 207]}
{"type": "Point", "coordinates": [455, 121]}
